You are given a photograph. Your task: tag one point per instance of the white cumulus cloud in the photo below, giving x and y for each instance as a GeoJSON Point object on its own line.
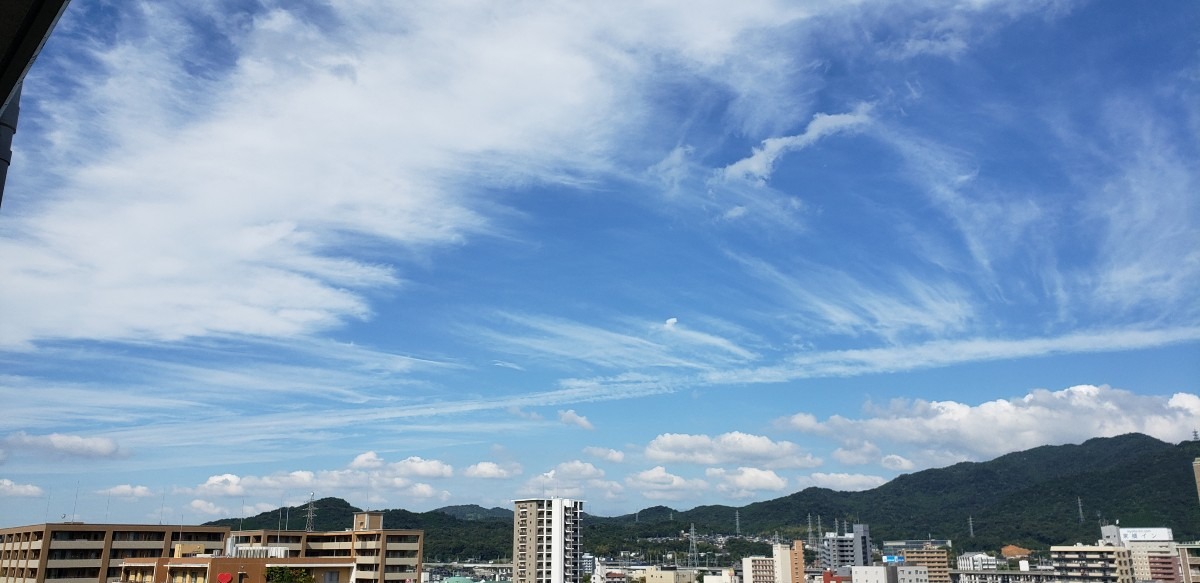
{"type": "Point", "coordinates": [730, 447]}
{"type": "Point", "coordinates": [843, 481]}
{"type": "Point", "coordinates": [11, 488]}
{"type": "Point", "coordinates": [963, 431]}
{"type": "Point", "coordinates": [491, 470]}
{"type": "Point", "coordinates": [745, 482]}
{"type": "Point", "coordinates": [206, 507]}
{"type": "Point", "coordinates": [366, 460]}
{"type": "Point", "coordinates": [658, 484]}
{"type": "Point", "coordinates": [416, 466]}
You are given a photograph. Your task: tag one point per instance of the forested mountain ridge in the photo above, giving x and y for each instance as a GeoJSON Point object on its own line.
{"type": "Point", "coordinates": [1030, 498]}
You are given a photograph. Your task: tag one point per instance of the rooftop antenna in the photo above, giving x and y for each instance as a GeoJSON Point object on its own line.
{"type": "Point", "coordinates": [312, 512]}
{"type": "Point", "coordinates": [163, 508]}
{"type": "Point", "coordinates": [74, 516]}
{"type": "Point", "coordinates": [49, 491]}
{"type": "Point", "coordinates": [242, 519]}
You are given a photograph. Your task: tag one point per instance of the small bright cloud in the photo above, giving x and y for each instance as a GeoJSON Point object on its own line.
{"type": "Point", "coordinates": [895, 462]}
{"type": "Point", "coordinates": [490, 470]}
{"type": "Point", "coordinates": [127, 491]}
{"type": "Point", "coordinates": [604, 453]}
{"type": "Point", "coordinates": [206, 507]}
{"type": "Point", "coordinates": [570, 417]}
{"type": "Point", "coordinates": [416, 466]}
{"type": "Point", "coordinates": [427, 492]}
{"type": "Point", "coordinates": [366, 460]}
{"type": "Point", "coordinates": [221, 485]}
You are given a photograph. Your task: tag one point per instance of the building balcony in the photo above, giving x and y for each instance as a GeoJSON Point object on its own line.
{"type": "Point", "coordinates": [330, 546]}
{"type": "Point", "coordinates": [138, 544]}
{"type": "Point", "coordinates": [72, 563]}
{"type": "Point", "coordinates": [77, 544]}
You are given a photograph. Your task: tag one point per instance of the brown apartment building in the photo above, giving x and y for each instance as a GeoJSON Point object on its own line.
{"type": "Point", "coordinates": [110, 553]}
{"type": "Point", "coordinates": [74, 552]}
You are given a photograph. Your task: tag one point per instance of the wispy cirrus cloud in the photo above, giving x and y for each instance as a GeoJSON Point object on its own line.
{"type": "Point", "coordinates": [59, 444]}
{"type": "Point", "coordinates": [759, 165]}
{"type": "Point", "coordinates": [854, 362]}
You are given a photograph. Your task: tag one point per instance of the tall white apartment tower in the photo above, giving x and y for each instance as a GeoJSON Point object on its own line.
{"type": "Point", "coordinates": [548, 541]}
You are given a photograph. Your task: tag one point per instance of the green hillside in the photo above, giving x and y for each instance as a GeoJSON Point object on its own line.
{"type": "Point", "coordinates": [1030, 498]}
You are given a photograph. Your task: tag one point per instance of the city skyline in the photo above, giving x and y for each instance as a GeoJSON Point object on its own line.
{"type": "Point", "coordinates": [449, 253]}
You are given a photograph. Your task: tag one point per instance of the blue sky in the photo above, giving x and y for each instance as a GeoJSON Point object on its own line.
{"type": "Point", "coordinates": [637, 253]}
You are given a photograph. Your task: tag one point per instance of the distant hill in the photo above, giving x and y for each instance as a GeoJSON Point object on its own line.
{"type": "Point", "coordinates": [476, 512]}
{"type": "Point", "coordinates": [1030, 498]}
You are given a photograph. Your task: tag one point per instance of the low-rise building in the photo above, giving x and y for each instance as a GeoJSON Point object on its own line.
{"type": "Point", "coordinates": [1091, 564]}
{"type": "Point", "coordinates": [977, 561]}
{"type": "Point", "coordinates": [75, 552]}
{"type": "Point", "coordinates": [758, 569]}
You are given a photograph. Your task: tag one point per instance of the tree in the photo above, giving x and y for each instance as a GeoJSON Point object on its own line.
{"type": "Point", "coordinates": [289, 575]}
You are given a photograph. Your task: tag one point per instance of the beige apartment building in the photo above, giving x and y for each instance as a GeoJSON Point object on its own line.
{"type": "Point", "coordinates": [378, 555]}
{"type": "Point", "coordinates": [935, 559]}
{"type": "Point", "coordinates": [1091, 564]}
{"type": "Point", "coordinates": [74, 552]}
{"type": "Point", "coordinates": [548, 540]}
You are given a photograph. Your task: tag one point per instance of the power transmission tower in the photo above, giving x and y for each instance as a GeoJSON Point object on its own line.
{"type": "Point", "coordinates": [693, 555]}
{"type": "Point", "coordinates": [971, 525]}
{"type": "Point", "coordinates": [312, 513]}
{"type": "Point", "coordinates": [812, 541]}
{"type": "Point", "coordinates": [1079, 501]}
{"type": "Point", "coordinates": [737, 523]}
